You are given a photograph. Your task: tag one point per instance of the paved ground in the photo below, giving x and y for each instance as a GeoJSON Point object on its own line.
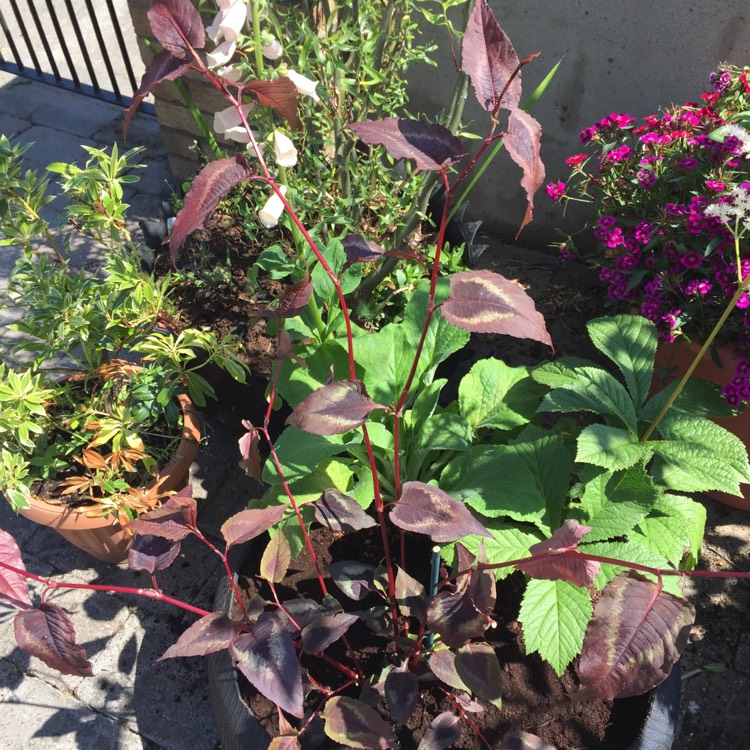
{"type": "Point", "coordinates": [132, 701]}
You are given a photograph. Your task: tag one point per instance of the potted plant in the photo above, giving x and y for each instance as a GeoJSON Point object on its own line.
{"type": "Point", "coordinates": [98, 422]}
{"type": "Point", "coordinates": [583, 509]}
{"type": "Point", "coordinates": [670, 199]}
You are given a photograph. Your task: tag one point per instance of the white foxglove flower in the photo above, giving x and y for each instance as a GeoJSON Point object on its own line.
{"type": "Point", "coordinates": [272, 51]}
{"type": "Point", "coordinates": [251, 151]}
{"type": "Point", "coordinates": [230, 73]}
{"type": "Point", "coordinates": [228, 22]}
{"type": "Point", "coordinates": [303, 85]}
{"type": "Point", "coordinates": [286, 154]}
{"type": "Point", "coordinates": [270, 213]}
{"type": "Point", "coordinates": [221, 54]}
{"type": "Point", "coordinates": [228, 123]}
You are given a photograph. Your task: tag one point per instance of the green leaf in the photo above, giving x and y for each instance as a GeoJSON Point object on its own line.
{"type": "Point", "coordinates": [425, 403]}
{"type": "Point", "coordinates": [594, 390]}
{"type": "Point", "coordinates": [509, 542]}
{"type": "Point", "coordinates": [495, 395]}
{"type": "Point", "coordinates": [697, 455]}
{"type": "Point", "coordinates": [297, 383]}
{"type": "Point", "coordinates": [386, 358]}
{"type": "Point", "coordinates": [554, 615]}
{"type": "Point", "coordinates": [444, 431]}
{"type": "Point", "coordinates": [699, 398]}
{"type": "Point", "coordinates": [525, 481]}
{"type": "Point", "coordinates": [629, 552]}
{"type": "Point", "coordinates": [563, 371]}
{"type": "Point", "coordinates": [300, 453]}
{"type": "Point", "coordinates": [610, 447]}
{"type": "Point", "coordinates": [692, 516]}
{"type": "Point", "coordinates": [630, 342]}
{"type": "Point", "coordinates": [613, 504]}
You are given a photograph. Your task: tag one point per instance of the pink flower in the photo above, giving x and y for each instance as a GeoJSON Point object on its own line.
{"type": "Point", "coordinates": [572, 161]}
{"type": "Point", "coordinates": [715, 185]}
{"type": "Point", "coordinates": [555, 190]}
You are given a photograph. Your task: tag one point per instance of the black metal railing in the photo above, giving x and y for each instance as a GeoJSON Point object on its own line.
{"type": "Point", "coordinates": [68, 44]}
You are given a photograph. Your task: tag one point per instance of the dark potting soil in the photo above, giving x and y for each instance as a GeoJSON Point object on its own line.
{"type": "Point", "coordinates": [534, 698]}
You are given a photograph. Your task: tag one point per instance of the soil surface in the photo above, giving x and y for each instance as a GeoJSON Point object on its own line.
{"type": "Point", "coordinates": [534, 698]}
{"type": "Point", "coordinates": [715, 709]}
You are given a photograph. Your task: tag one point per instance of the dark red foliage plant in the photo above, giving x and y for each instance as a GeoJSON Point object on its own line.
{"type": "Point", "coordinates": [366, 404]}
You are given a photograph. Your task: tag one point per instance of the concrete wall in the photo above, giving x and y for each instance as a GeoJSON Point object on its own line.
{"type": "Point", "coordinates": [617, 57]}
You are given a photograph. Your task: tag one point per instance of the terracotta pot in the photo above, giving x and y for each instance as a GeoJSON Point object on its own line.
{"type": "Point", "coordinates": [100, 537]}
{"type": "Point", "coordinates": [677, 357]}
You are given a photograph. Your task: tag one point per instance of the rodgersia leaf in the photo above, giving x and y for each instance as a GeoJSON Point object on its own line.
{"type": "Point", "coordinates": [432, 147]}
{"type": "Point", "coordinates": [266, 656]}
{"type": "Point", "coordinates": [354, 724]}
{"type": "Point", "coordinates": [486, 302]}
{"type": "Point", "coordinates": [47, 633]}
{"type": "Point", "coordinates": [637, 634]}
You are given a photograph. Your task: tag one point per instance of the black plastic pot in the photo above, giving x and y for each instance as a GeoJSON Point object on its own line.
{"type": "Point", "coordinates": [240, 730]}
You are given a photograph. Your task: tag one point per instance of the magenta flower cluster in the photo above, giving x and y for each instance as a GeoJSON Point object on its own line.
{"type": "Point", "coordinates": [650, 183]}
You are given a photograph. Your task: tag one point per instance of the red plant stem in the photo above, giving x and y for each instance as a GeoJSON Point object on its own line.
{"type": "Point", "coordinates": [148, 593]}
{"type": "Point", "coordinates": [275, 383]}
{"type": "Point", "coordinates": [488, 141]}
{"type": "Point", "coordinates": [414, 656]}
{"type": "Point", "coordinates": [225, 562]}
{"type": "Point", "coordinates": [463, 715]}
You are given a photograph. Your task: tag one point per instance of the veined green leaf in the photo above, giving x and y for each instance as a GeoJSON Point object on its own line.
{"type": "Point", "coordinates": [610, 447]}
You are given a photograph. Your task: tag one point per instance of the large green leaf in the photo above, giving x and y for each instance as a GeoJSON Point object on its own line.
{"type": "Point", "coordinates": [629, 552]}
{"type": "Point", "coordinates": [610, 447]}
{"type": "Point", "coordinates": [300, 453]}
{"type": "Point", "coordinates": [692, 515]}
{"type": "Point", "coordinates": [597, 391]}
{"type": "Point", "coordinates": [509, 542]}
{"type": "Point", "coordinates": [698, 398]}
{"type": "Point", "coordinates": [495, 395]}
{"type": "Point", "coordinates": [524, 481]}
{"type": "Point", "coordinates": [444, 431]}
{"type": "Point", "coordinates": [297, 383]}
{"type": "Point", "coordinates": [614, 503]}
{"type": "Point", "coordinates": [563, 371]}
{"type": "Point", "coordinates": [697, 455]}
{"type": "Point", "coordinates": [386, 357]}
{"type": "Point", "coordinates": [554, 615]}
{"type": "Point", "coordinates": [630, 342]}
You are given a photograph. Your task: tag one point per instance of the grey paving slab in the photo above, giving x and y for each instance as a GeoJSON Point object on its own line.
{"type": "Point", "coordinates": [10, 125]}
{"type": "Point", "coordinates": [22, 97]}
{"type": "Point", "coordinates": [50, 145]}
{"type": "Point", "coordinates": [64, 112]}
{"type": "Point", "coordinates": [167, 702]}
{"type": "Point", "coordinates": [20, 528]}
{"type": "Point", "coordinates": [37, 716]}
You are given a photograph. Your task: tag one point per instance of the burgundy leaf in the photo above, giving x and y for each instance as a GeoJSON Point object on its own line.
{"type": "Point", "coordinates": [174, 519]}
{"type": "Point", "coordinates": [164, 67]}
{"type": "Point", "coordinates": [341, 512]}
{"type": "Point", "coordinates": [47, 633]}
{"type": "Point", "coordinates": [13, 587]}
{"type": "Point", "coordinates": [295, 298]}
{"type": "Point", "coordinates": [578, 571]}
{"type": "Point", "coordinates": [319, 635]}
{"type": "Point", "coordinates": [266, 656]}
{"type": "Point", "coordinates": [432, 147]}
{"type": "Point", "coordinates": [465, 701]}
{"type": "Point", "coordinates": [455, 618]}
{"type": "Point", "coordinates": [355, 724]}
{"type": "Point", "coordinates": [488, 58]}
{"type": "Point", "coordinates": [428, 510]}
{"type": "Point", "coordinates": [410, 596]}
{"type": "Point", "coordinates": [210, 185]}
{"type": "Point", "coordinates": [355, 579]}
{"type": "Point", "coordinates": [285, 743]}
{"type": "Point", "coordinates": [360, 250]}
{"type": "Point", "coordinates": [486, 302]}
{"type": "Point", "coordinates": [247, 524]}
{"type": "Point", "coordinates": [281, 94]}
{"type": "Point", "coordinates": [523, 141]}
{"type": "Point", "coordinates": [524, 741]}
{"type": "Point", "coordinates": [178, 26]}
{"type": "Point", "coordinates": [333, 409]}
{"type": "Point", "coordinates": [442, 732]}
{"type": "Point", "coordinates": [276, 559]}
{"type": "Point", "coordinates": [635, 637]}
{"type": "Point", "coordinates": [401, 693]}
{"type": "Point", "coordinates": [208, 635]}
{"type": "Point", "coordinates": [479, 670]}
{"type": "Point", "coordinates": [478, 584]}
{"type": "Point", "coordinates": [250, 452]}
{"type": "Point", "coordinates": [152, 553]}
{"type": "Point", "coordinates": [443, 666]}
{"type": "Point", "coordinates": [302, 611]}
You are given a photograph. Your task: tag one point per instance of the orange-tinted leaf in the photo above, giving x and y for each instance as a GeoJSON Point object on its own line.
{"type": "Point", "coordinates": [276, 559]}
{"type": "Point", "coordinates": [281, 94]}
